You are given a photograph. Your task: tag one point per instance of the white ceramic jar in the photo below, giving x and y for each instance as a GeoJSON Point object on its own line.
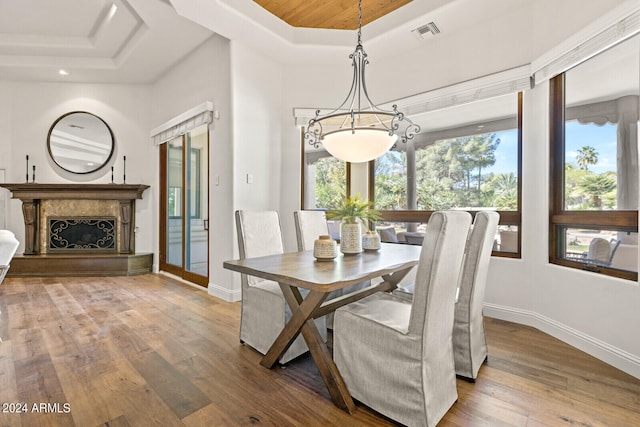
{"type": "Point", "coordinates": [371, 241]}
{"type": "Point", "coordinates": [350, 238]}
{"type": "Point", "coordinates": [325, 248]}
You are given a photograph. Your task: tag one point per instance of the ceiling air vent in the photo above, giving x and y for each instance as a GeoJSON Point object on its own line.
{"type": "Point", "coordinates": [423, 31]}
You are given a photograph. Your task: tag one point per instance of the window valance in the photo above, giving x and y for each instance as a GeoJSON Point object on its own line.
{"type": "Point", "coordinates": [185, 122]}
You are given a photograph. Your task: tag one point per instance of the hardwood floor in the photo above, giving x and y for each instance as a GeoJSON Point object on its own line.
{"type": "Point", "coordinates": [147, 350]}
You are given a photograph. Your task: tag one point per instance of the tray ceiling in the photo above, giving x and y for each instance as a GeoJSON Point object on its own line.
{"type": "Point", "coordinates": [331, 14]}
{"type": "Point", "coordinates": [137, 41]}
{"type": "Point", "coordinates": [131, 41]}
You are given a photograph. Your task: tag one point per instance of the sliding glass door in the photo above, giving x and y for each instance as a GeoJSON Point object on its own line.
{"type": "Point", "coordinates": [184, 232]}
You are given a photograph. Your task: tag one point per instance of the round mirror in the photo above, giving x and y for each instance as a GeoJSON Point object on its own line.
{"type": "Point", "coordinates": [80, 142]}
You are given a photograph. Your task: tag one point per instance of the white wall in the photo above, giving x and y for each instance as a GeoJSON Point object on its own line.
{"type": "Point", "coordinates": [204, 75]}
{"type": "Point", "coordinates": [29, 110]}
{"type": "Point", "coordinates": [5, 150]}
{"type": "Point", "coordinates": [257, 132]}
{"type": "Point", "coordinates": [5, 125]}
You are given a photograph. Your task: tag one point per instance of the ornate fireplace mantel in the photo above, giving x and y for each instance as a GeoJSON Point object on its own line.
{"type": "Point", "coordinates": [34, 196]}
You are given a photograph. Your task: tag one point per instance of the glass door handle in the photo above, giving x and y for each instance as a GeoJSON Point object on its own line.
{"type": "Point", "coordinates": [206, 224]}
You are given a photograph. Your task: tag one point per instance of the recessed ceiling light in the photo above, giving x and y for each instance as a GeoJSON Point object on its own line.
{"type": "Point", "coordinates": [112, 11]}
{"type": "Point", "coordinates": [63, 72]}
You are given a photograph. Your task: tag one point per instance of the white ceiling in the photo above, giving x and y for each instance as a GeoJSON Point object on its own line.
{"type": "Point", "coordinates": [136, 41]}
{"type": "Point", "coordinates": [392, 34]}
{"type": "Point", "coordinates": [105, 41]}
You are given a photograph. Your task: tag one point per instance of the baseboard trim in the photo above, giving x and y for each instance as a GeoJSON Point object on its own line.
{"type": "Point", "coordinates": [212, 289]}
{"type": "Point", "coordinates": [223, 293]}
{"type": "Point", "coordinates": [612, 355]}
{"type": "Point", "coordinates": [181, 280]}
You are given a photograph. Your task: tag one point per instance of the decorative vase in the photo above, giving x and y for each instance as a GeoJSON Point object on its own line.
{"type": "Point", "coordinates": [371, 241]}
{"type": "Point", "coordinates": [325, 248]}
{"type": "Point", "coordinates": [350, 238]}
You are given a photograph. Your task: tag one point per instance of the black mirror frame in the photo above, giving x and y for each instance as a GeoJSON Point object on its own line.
{"type": "Point", "coordinates": [98, 167]}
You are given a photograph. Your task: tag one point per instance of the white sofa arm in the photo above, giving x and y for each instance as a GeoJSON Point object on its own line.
{"type": "Point", "coordinates": [8, 246]}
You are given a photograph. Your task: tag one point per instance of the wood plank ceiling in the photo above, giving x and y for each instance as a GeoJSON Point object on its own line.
{"type": "Point", "coordinates": [332, 14]}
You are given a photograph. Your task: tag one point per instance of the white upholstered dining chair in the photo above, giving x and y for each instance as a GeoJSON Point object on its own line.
{"type": "Point", "coordinates": [310, 225]}
{"type": "Point", "coordinates": [396, 356]}
{"type": "Point", "coordinates": [264, 309]}
{"type": "Point", "coordinates": [8, 246]}
{"type": "Point", "coordinates": [469, 343]}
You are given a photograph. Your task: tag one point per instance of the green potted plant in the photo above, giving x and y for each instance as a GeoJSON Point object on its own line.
{"type": "Point", "coordinates": [353, 212]}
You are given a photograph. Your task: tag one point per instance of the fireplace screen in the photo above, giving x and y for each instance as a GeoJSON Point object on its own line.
{"type": "Point", "coordinates": [82, 234]}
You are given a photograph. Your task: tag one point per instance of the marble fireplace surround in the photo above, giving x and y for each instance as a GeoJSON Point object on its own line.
{"type": "Point", "coordinates": [42, 201]}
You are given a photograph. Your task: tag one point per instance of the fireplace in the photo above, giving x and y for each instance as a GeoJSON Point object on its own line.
{"type": "Point", "coordinates": [42, 202]}
{"type": "Point", "coordinates": [79, 229]}
{"type": "Point", "coordinates": [84, 235]}
{"type": "Point", "coordinates": [61, 219]}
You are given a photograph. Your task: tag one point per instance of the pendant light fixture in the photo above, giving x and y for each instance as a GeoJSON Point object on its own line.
{"type": "Point", "coordinates": [358, 130]}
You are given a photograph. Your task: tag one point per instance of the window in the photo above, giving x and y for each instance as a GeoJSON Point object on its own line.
{"type": "Point", "coordinates": [324, 178]}
{"type": "Point", "coordinates": [175, 185]}
{"type": "Point", "coordinates": [594, 163]}
{"type": "Point", "coordinates": [467, 157]}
